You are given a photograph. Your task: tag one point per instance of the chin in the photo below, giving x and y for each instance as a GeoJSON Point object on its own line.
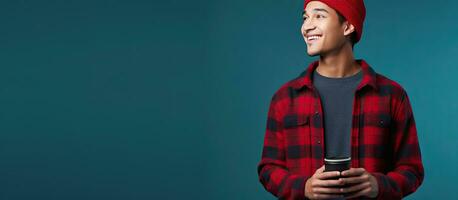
{"type": "Point", "coordinates": [314, 50]}
{"type": "Point", "coordinates": [313, 53]}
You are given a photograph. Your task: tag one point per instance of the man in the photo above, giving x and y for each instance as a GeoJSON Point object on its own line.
{"type": "Point", "coordinates": [339, 107]}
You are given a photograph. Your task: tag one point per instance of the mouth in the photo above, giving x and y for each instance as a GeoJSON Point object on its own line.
{"type": "Point", "coordinates": [312, 38]}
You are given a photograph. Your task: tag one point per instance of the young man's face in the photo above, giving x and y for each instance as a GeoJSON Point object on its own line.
{"type": "Point", "coordinates": [322, 30]}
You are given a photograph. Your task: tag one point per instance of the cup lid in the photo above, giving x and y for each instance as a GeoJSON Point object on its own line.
{"type": "Point", "coordinates": [337, 159]}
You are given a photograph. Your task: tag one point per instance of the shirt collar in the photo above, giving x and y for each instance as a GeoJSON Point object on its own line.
{"type": "Point", "coordinates": [305, 79]}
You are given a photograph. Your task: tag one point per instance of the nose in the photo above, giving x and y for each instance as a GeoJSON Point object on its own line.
{"type": "Point", "coordinates": [307, 26]}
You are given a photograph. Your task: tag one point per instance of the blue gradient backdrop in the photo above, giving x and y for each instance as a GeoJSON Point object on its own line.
{"type": "Point", "coordinates": [168, 99]}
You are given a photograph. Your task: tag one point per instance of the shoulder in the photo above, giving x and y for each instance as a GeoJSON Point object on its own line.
{"type": "Point", "coordinates": [286, 91]}
{"type": "Point", "coordinates": [390, 87]}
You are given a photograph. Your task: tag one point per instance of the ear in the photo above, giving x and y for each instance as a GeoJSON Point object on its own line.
{"type": "Point", "coordinates": [348, 28]}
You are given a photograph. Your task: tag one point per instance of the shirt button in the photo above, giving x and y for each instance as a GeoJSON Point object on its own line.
{"type": "Point", "coordinates": [319, 142]}
{"type": "Point", "coordinates": [381, 122]}
{"type": "Point", "coordinates": [316, 113]}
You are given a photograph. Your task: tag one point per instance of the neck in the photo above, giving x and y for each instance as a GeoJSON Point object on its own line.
{"type": "Point", "coordinates": [339, 63]}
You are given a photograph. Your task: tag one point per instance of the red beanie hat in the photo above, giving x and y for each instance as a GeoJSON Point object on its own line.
{"type": "Point", "coordinates": [353, 10]}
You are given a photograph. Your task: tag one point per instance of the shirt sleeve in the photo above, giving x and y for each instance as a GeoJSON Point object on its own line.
{"type": "Point", "coordinates": [272, 170]}
{"type": "Point", "coordinates": [407, 174]}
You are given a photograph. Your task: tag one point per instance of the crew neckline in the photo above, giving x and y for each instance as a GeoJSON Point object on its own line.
{"type": "Point", "coordinates": [354, 76]}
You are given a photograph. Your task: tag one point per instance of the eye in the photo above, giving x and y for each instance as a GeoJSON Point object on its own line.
{"type": "Point", "coordinates": [319, 16]}
{"type": "Point", "coordinates": [304, 18]}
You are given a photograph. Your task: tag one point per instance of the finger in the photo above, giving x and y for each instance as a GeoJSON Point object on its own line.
{"type": "Point", "coordinates": [326, 190]}
{"type": "Point", "coordinates": [328, 183]}
{"type": "Point", "coordinates": [355, 188]}
{"type": "Point", "coordinates": [356, 179]}
{"type": "Point", "coordinates": [328, 175]}
{"type": "Point", "coordinates": [320, 170]}
{"type": "Point", "coordinates": [353, 172]}
{"type": "Point", "coordinates": [326, 196]}
{"type": "Point", "coordinates": [357, 194]}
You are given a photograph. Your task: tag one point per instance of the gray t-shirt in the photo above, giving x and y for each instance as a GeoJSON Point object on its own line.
{"type": "Point", "coordinates": [337, 95]}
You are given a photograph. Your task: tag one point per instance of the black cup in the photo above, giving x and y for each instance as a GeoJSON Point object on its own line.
{"type": "Point", "coordinates": [337, 164]}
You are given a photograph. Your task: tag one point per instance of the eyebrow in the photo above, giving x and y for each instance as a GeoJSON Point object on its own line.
{"type": "Point", "coordinates": [317, 10]}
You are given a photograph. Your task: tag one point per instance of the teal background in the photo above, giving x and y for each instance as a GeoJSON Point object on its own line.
{"type": "Point", "coordinates": [168, 99]}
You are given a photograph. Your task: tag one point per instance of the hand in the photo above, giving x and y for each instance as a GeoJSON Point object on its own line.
{"type": "Point", "coordinates": [361, 182]}
{"type": "Point", "coordinates": [317, 187]}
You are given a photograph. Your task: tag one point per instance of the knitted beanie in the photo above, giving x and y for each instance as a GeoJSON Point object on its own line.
{"type": "Point", "coordinates": [354, 12]}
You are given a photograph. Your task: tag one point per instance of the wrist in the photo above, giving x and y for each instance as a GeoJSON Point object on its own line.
{"type": "Point", "coordinates": [306, 193]}
{"type": "Point", "coordinates": [374, 185]}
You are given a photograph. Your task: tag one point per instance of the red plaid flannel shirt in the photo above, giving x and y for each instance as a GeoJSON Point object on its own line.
{"type": "Point", "coordinates": [383, 137]}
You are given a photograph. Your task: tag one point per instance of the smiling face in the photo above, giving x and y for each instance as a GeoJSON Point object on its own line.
{"type": "Point", "coordinates": [322, 31]}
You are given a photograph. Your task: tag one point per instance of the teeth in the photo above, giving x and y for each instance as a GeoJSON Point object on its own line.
{"type": "Point", "coordinates": [314, 37]}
